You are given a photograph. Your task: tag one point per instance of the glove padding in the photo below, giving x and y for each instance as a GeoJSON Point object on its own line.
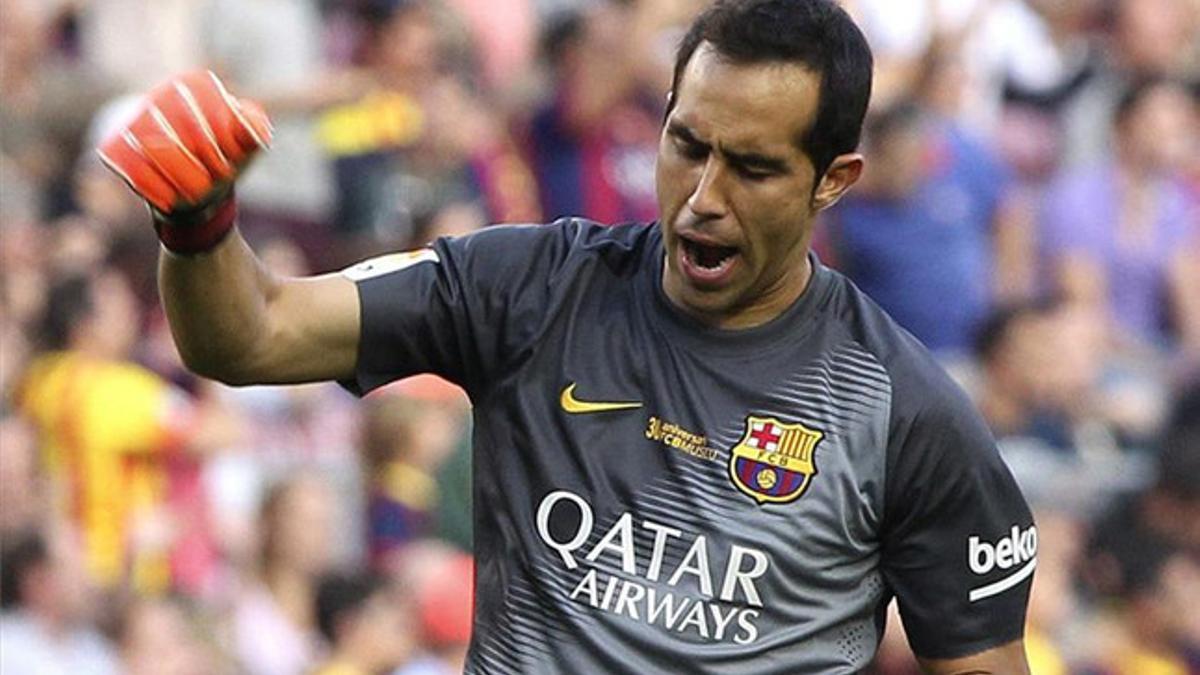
{"type": "Point", "coordinates": [189, 141]}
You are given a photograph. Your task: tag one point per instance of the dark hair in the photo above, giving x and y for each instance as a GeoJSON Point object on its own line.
{"type": "Point", "coordinates": [562, 30]}
{"type": "Point", "coordinates": [1141, 565]}
{"type": "Point", "coordinates": [342, 593]}
{"type": "Point", "coordinates": [815, 33]}
{"type": "Point", "coordinates": [1137, 91]}
{"type": "Point", "coordinates": [1179, 460]}
{"type": "Point", "coordinates": [68, 302]}
{"type": "Point", "coordinates": [996, 326]}
{"type": "Point", "coordinates": [898, 117]}
{"type": "Point", "coordinates": [24, 552]}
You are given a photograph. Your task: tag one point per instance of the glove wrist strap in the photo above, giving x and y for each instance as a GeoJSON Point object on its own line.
{"type": "Point", "coordinates": [197, 230]}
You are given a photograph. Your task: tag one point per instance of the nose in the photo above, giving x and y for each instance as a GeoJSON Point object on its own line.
{"type": "Point", "coordinates": [708, 198]}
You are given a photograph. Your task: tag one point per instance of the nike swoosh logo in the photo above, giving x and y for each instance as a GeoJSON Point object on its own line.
{"type": "Point", "coordinates": [575, 406]}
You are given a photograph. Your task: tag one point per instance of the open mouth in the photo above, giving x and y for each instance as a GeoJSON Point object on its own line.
{"type": "Point", "coordinates": [706, 256]}
{"type": "Point", "coordinates": [708, 263]}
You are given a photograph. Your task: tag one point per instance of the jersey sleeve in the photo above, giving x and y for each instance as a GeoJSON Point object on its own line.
{"type": "Point", "coordinates": [959, 544]}
{"type": "Point", "coordinates": [460, 309]}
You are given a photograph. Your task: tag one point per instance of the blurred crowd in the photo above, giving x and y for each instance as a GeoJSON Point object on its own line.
{"type": "Point", "coordinates": [1030, 211]}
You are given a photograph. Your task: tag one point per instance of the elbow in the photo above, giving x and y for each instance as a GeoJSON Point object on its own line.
{"type": "Point", "coordinates": [233, 378]}
{"type": "Point", "coordinates": [226, 370]}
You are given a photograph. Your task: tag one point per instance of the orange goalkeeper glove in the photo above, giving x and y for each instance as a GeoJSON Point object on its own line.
{"type": "Point", "coordinates": [182, 153]}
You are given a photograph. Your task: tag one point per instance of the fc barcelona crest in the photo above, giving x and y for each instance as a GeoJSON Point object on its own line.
{"type": "Point", "coordinates": [774, 462]}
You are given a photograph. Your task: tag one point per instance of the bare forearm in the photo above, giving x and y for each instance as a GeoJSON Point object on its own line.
{"type": "Point", "coordinates": [216, 303]}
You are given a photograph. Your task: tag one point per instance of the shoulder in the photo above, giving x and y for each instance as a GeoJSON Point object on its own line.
{"type": "Point", "coordinates": [924, 397]}
{"type": "Point", "coordinates": [574, 233]}
{"type": "Point", "coordinates": [549, 248]}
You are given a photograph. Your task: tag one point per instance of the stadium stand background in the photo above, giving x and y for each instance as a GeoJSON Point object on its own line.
{"type": "Point", "coordinates": [1031, 211]}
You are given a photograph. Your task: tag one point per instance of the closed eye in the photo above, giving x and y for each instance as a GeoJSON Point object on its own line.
{"type": "Point", "coordinates": [752, 174]}
{"type": "Point", "coordinates": [687, 144]}
{"type": "Point", "coordinates": [691, 149]}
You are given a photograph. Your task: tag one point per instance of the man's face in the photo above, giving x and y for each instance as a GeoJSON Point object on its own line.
{"type": "Point", "coordinates": [735, 191]}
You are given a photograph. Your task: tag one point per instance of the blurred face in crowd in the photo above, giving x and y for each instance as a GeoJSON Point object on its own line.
{"type": "Point", "coordinates": [1072, 340]}
{"type": "Point", "coordinates": [380, 635]}
{"type": "Point", "coordinates": [408, 46]}
{"type": "Point", "coordinates": [1166, 613]}
{"type": "Point", "coordinates": [302, 527]}
{"type": "Point", "coordinates": [898, 161]}
{"type": "Point", "coordinates": [735, 189]}
{"type": "Point", "coordinates": [1022, 356]}
{"type": "Point", "coordinates": [1159, 133]}
{"type": "Point", "coordinates": [22, 36]}
{"type": "Point", "coordinates": [1152, 36]}
{"type": "Point", "coordinates": [112, 328]}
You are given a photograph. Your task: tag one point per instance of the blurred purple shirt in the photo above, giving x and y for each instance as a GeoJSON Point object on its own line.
{"type": "Point", "coordinates": [1079, 217]}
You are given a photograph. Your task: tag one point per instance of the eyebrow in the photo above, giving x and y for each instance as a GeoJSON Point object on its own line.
{"type": "Point", "coordinates": [751, 160]}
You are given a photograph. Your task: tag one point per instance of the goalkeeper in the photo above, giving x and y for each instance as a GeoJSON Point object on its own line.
{"type": "Point", "coordinates": [697, 449]}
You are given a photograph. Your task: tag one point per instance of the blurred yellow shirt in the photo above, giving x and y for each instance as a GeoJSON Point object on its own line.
{"type": "Point", "coordinates": [105, 428]}
{"type": "Point", "coordinates": [1140, 662]}
{"type": "Point", "coordinates": [339, 668]}
{"type": "Point", "coordinates": [1044, 657]}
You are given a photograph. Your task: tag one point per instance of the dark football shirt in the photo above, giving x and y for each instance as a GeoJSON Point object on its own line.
{"type": "Point", "coordinates": [654, 495]}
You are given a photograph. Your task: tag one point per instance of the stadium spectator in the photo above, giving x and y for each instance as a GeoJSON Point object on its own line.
{"type": "Point", "coordinates": [423, 145]}
{"type": "Point", "coordinates": [930, 187]}
{"type": "Point", "coordinates": [1155, 629]}
{"type": "Point", "coordinates": [274, 623]}
{"type": "Point", "coordinates": [46, 603]}
{"type": "Point", "coordinates": [1123, 236]}
{"type": "Point", "coordinates": [275, 48]}
{"type": "Point", "coordinates": [404, 441]}
{"type": "Point", "coordinates": [1168, 509]}
{"type": "Point", "coordinates": [115, 438]}
{"type": "Point", "coordinates": [592, 145]}
{"type": "Point", "coordinates": [1053, 602]}
{"type": "Point", "coordinates": [1019, 393]}
{"type": "Point", "coordinates": [168, 40]}
{"type": "Point", "coordinates": [48, 100]}
{"type": "Point", "coordinates": [504, 34]}
{"type": "Point", "coordinates": [365, 622]}
{"type": "Point", "coordinates": [21, 480]}
{"type": "Point", "coordinates": [1143, 39]}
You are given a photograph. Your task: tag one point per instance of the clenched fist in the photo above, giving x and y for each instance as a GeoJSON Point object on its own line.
{"type": "Point", "coordinates": [183, 151]}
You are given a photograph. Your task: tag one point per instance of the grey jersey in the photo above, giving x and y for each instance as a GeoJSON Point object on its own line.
{"type": "Point", "coordinates": [653, 495]}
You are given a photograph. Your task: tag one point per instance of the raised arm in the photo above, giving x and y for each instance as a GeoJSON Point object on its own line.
{"type": "Point", "coordinates": [232, 319]}
{"type": "Point", "coordinates": [235, 321]}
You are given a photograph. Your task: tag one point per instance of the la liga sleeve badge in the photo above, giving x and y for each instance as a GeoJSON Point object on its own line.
{"type": "Point", "coordinates": [774, 461]}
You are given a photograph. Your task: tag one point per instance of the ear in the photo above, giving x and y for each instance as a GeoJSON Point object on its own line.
{"type": "Point", "coordinates": [843, 173]}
